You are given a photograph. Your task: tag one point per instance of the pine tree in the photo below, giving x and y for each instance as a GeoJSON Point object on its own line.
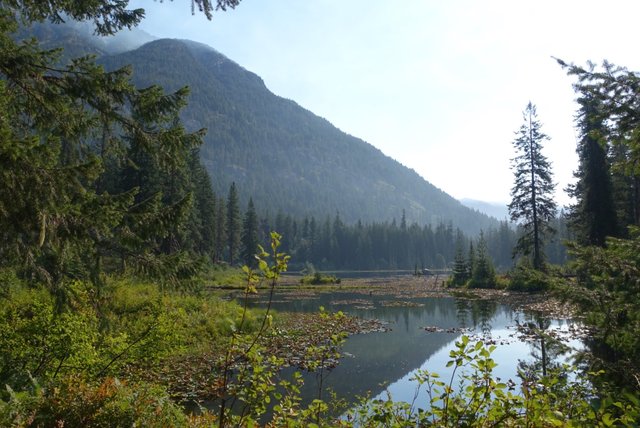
{"type": "Point", "coordinates": [221, 231]}
{"type": "Point", "coordinates": [625, 187]}
{"type": "Point", "coordinates": [593, 217]}
{"type": "Point", "coordinates": [460, 271]}
{"type": "Point", "coordinates": [532, 203]}
{"type": "Point", "coordinates": [471, 260]}
{"type": "Point", "coordinates": [484, 274]}
{"type": "Point", "coordinates": [203, 227]}
{"type": "Point", "coordinates": [250, 236]}
{"type": "Point", "coordinates": [234, 224]}
{"type": "Point", "coordinates": [614, 91]}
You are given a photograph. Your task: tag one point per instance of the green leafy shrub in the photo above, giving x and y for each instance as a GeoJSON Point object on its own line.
{"type": "Point", "coordinates": [480, 399]}
{"type": "Point", "coordinates": [606, 291]}
{"type": "Point", "coordinates": [36, 340]}
{"type": "Point", "coordinates": [318, 279]}
{"type": "Point", "coordinates": [73, 402]}
{"type": "Point", "coordinates": [524, 278]}
{"type": "Point", "coordinates": [9, 282]}
{"type": "Point", "coordinates": [224, 276]}
{"type": "Point", "coordinates": [133, 323]}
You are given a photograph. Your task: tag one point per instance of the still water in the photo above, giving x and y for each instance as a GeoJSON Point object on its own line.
{"type": "Point", "coordinates": [382, 363]}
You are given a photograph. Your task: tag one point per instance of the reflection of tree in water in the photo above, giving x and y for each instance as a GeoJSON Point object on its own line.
{"type": "Point", "coordinates": [462, 311]}
{"type": "Point", "coordinates": [545, 348]}
{"type": "Point", "coordinates": [485, 311]}
{"type": "Point", "coordinates": [476, 313]}
{"type": "Point", "coordinates": [401, 314]}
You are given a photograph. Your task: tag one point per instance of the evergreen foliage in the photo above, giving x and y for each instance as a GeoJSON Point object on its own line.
{"type": "Point", "coordinates": [593, 217]}
{"type": "Point", "coordinates": [202, 226]}
{"type": "Point", "coordinates": [460, 270]}
{"type": "Point", "coordinates": [611, 94]}
{"type": "Point", "coordinates": [221, 231]}
{"type": "Point", "coordinates": [483, 274]}
{"type": "Point", "coordinates": [93, 169]}
{"type": "Point", "coordinates": [524, 278]}
{"type": "Point", "coordinates": [532, 193]}
{"type": "Point", "coordinates": [249, 237]}
{"type": "Point", "coordinates": [234, 224]}
{"type": "Point", "coordinates": [607, 293]}
{"type": "Point", "coordinates": [471, 260]}
{"type": "Point", "coordinates": [208, 6]}
{"type": "Point", "coordinates": [606, 289]}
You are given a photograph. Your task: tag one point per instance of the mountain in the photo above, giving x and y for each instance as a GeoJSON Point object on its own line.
{"type": "Point", "coordinates": [492, 209]}
{"type": "Point", "coordinates": [78, 38]}
{"type": "Point", "coordinates": [284, 156]}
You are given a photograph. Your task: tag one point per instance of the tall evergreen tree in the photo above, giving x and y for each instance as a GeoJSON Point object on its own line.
{"type": "Point", "coordinates": [556, 248]}
{"type": "Point", "coordinates": [532, 203]}
{"type": "Point", "coordinates": [234, 224]}
{"type": "Point", "coordinates": [203, 227]}
{"type": "Point", "coordinates": [625, 186]}
{"type": "Point", "coordinates": [616, 91]}
{"type": "Point", "coordinates": [460, 271]}
{"type": "Point", "coordinates": [221, 231]}
{"type": "Point", "coordinates": [471, 260]}
{"type": "Point", "coordinates": [250, 236]}
{"type": "Point", "coordinates": [593, 217]}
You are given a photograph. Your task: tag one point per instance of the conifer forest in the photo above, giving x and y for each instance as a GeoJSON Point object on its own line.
{"type": "Point", "coordinates": [165, 218]}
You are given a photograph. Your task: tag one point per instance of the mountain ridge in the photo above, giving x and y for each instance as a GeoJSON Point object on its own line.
{"type": "Point", "coordinates": [271, 146]}
{"type": "Point", "coordinates": [282, 155]}
{"type": "Point", "coordinates": [493, 209]}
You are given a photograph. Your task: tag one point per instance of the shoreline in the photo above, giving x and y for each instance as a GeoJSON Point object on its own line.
{"type": "Point", "coordinates": [404, 287]}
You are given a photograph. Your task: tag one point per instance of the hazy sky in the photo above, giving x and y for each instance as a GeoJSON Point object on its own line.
{"type": "Point", "coordinates": [438, 85]}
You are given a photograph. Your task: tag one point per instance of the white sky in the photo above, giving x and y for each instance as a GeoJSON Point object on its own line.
{"type": "Point", "coordinates": [438, 85]}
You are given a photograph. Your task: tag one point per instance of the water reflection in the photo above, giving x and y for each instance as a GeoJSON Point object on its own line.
{"type": "Point", "coordinates": [546, 351]}
{"type": "Point", "coordinates": [421, 336]}
{"type": "Point", "coordinates": [476, 314]}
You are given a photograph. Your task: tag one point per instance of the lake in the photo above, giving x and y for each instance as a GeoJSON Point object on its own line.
{"type": "Point", "coordinates": [421, 333]}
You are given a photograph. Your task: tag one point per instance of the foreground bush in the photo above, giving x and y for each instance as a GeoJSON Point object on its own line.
{"type": "Point", "coordinates": [472, 396]}
{"type": "Point", "coordinates": [479, 399]}
{"type": "Point", "coordinates": [72, 402]}
{"type": "Point", "coordinates": [133, 324]}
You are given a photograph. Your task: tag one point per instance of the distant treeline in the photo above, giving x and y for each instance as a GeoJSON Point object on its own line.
{"type": "Point", "coordinates": [329, 243]}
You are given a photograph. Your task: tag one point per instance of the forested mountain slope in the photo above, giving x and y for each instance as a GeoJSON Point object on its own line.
{"type": "Point", "coordinates": [285, 157]}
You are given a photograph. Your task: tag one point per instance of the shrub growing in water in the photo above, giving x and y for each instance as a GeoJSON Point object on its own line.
{"type": "Point", "coordinates": [319, 279]}
{"type": "Point", "coordinates": [525, 278]}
